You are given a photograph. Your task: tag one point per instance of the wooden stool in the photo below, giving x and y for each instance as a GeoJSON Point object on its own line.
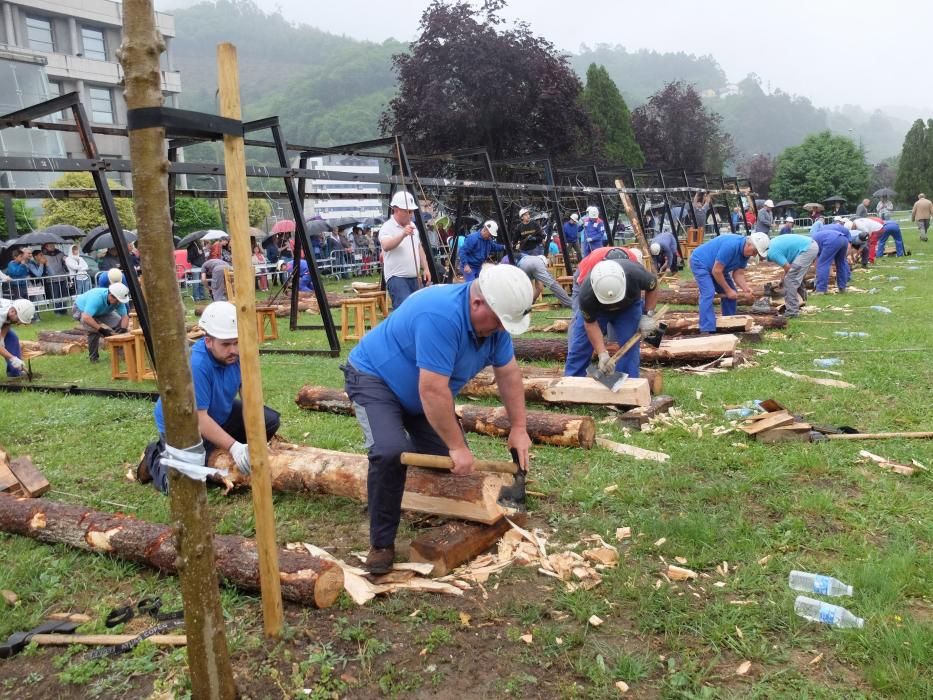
{"type": "Point", "coordinates": [265, 315]}
{"type": "Point", "coordinates": [380, 297]}
{"type": "Point", "coordinates": [228, 284]}
{"type": "Point", "coordinates": [695, 236]}
{"type": "Point", "coordinates": [134, 321]}
{"type": "Point", "coordinates": [359, 308]}
{"type": "Point", "coordinates": [566, 281]}
{"type": "Point", "coordinates": [123, 346]}
{"type": "Point", "coordinates": [143, 369]}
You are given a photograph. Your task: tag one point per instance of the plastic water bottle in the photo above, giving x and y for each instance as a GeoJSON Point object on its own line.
{"type": "Point", "coordinates": [852, 334]}
{"type": "Point", "coordinates": [827, 361]}
{"type": "Point", "coordinates": [898, 288]}
{"type": "Point", "coordinates": [882, 309]}
{"type": "Point", "coordinates": [826, 613]}
{"type": "Point", "coordinates": [893, 278]}
{"type": "Point", "coordinates": [814, 583]}
{"type": "Point", "coordinates": [743, 412]}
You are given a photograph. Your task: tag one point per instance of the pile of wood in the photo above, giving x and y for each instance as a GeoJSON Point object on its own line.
{"type": "Point", "coordinates": [19, 477]}
{"type": "Point", "coordinates": [67, 342]}
{"type": "Point", "coordinates": [673, 351]}
{"type": "Point", "coordinates": [778, 425]}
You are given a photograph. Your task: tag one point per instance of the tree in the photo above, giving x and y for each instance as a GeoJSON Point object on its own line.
{"type": "Point", "coordinates": [192, 214]}
{"type": "Point", "coordinates": [821, 166]}
{"type": "Point", "coordinates": [258, 209]}
{"type": "Point", "coordinates": [614, 140]}
{"type": "Point", "coordinates": [759, 169]}
{"type": "Point", "coordinates": [84, 212]}
{"type": "Point", "coordinates": [469, 82]}
{"type": "Point", "coordinates": [675, 131]}
{"type": "Point", "coordinates": [914, 171]}
{"type": "Point", "coordinates": [25, 217]}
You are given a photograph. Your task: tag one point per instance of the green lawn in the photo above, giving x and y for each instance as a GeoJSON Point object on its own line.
{"type": "Point", "coordinates": [815, 507]}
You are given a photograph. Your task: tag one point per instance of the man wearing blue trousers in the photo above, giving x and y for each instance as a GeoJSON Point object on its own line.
{"type": "Point", "coordinates": [11, 312]}
{"type": "Point", "coordinates": [833, 240]}
{"type": "Point", "coordinates": [890, 228]}
{"type": "Point", "coordinates": [476, 250]}
{"type": "Point", "coordinates": [718, 266]}
{"type": "Point", "coordinates": [611, 298]}
{"type": "Point", "coordinates": [594, 231]}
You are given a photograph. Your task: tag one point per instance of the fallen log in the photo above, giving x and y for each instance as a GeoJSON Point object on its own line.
{"type": "Point", "coordinates": [691, 297]}
{"type": "Point", "coordinates": [62, 337]}
{"type": "Point", "coordinates": [544, 427]}
{"type": "Point", "coordinates": [537, 379]}
{"type": "Point", "coordinates": [686, 323]}
{"type": "Point", "coordinates": [305, 579]}
{"type": "Point", "coordinates": [313, 470]}
{"type": "Point", "coordinates": [70, 348]}
{"type": "Point", "coordinates": [454, 543]}
{"type": "Point", "coordinates": [672, 351]}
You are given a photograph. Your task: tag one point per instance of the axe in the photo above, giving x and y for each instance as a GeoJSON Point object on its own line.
{"type": "Point", "coordinates": [614, 381]}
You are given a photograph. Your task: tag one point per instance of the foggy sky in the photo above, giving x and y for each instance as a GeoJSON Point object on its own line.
{"type": "Point", "coordinates": [834, 52]}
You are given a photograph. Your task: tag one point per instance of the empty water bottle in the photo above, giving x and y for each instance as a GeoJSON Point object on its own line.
{"type": "Point", "coordinates": [827, 361]}
{"type": "Point", "coordinates": [852, 334]}
{"type": "Point", "coordinates": [826, 613]}
{"type": "Point", "coordinates": [893, 278]}
{"type": "Point", "coordinates": [899, 288]}
{"type": "Point", "coordinates": [882, 309]}
{"type": "Point", "coordinates": [814, 583]}
{"type": "Point", "coordinates": [743, 412]}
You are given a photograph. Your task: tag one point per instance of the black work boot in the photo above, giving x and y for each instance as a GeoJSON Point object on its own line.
{"type": "Point", "coordinates": [379, 560]}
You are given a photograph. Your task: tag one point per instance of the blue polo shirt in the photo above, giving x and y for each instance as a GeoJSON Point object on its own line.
{"type": "Point", "coordinates": [668, 244]}
{"type": "Point", "coordinates": [431, 331]}
{"type": "Point", "coordinates": [94, 303]}
{"type": "Point", "coordinates": [476, 250]}
{"type": "Point", "coordinates": [784, 249]}
{"type": "Point", "coordinates": [215, 386]}
{"type": "Point", "coordinates": [726, 249]}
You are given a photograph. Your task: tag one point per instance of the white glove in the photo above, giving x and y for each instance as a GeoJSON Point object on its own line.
{"type": "Point", "coordinates": [16, 363]}
{"type": "Point", "coordinates": [647, 325]}
{"type": "Point", "coordinates": [606, 364]}
{"type": "Point", "coordinates": [240, 453]}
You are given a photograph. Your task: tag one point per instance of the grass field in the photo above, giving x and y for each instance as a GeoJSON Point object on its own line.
{"type": "Point", "coordinates": [815, 507]}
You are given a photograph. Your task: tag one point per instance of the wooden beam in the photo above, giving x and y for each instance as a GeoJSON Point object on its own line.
{"type": "Point", "coordinates": [632, 451]}
{"type": "Point", "coordinates": [455, 543]}
{"type": "Point", "coordinates": [63, 640]}
{"type": "Point", "coordinates": [586, 390]}
{"type": "Point", "coordinates": [31, 480]}
{"type": "Point", "coordinates": [772, 420]}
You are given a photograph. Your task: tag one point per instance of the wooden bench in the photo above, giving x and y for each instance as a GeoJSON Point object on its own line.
{"type": "Point", "coordinates": [359, 307]}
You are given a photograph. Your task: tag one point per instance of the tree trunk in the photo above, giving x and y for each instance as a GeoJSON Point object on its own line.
{"type": "Point", "coordinates": [53, 348]}
{"type": "Point", "coordinates": [208, 657]}
{"type": "Point", "coordinates": [686, 323]}
{"type": "Point", "coordinates": [562, 430]}
{"type": "Point", "coordinates": [672, 351]}
{"type": "Point", "coordinates": [305, 578]}
{"type": "Point", "coordinates": [691, 297]}
{"type": "Point", "coordinates": [309, 469]}
{"type": "Point", "coordinates": [62, 337]}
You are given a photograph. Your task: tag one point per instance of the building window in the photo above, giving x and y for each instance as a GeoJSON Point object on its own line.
{"type": "Point", "coordinates": [56, 89]}
{"type": "Point", "coordinates": [101, 105]}
{"type": "Point", "coordinates": [39, 34]}
{"type": "Point", "coordinates": [92, 42]}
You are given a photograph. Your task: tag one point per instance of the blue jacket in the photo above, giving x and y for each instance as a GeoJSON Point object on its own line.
{"type": "Point", "coordinates": [476, 250]}
{"type": "Point", "coordinates": [594, 232]}
{"type": "Point", "coordinates": [571, 232]}
{"type": "Point", "coordinates": [17, 271]}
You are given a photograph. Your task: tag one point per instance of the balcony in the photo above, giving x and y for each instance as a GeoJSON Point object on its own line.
{"type": "Point", "coordinates": [64, 66]}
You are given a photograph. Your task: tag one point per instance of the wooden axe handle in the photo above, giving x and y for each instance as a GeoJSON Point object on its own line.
{"type": "Point", "coordinates": [630, 343]}
{"type": "Point", "coordinates": [413, 459]}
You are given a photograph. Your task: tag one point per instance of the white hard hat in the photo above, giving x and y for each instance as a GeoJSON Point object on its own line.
{"type": "Point", "coordinates": [655, 248]}
{"type": "Point", "coordinates": [849, 224]}
{"type": "Point", "coordinates": [404, 200]}
{"type": "Point", "coordinates": [120, 292]}
{"type": "Point", "coordinates": [592, 212]}
{"type": "Point", "coordinates": [25, 309]}
{"type": "Point", "coordinates": [788, 219]}
{"type": "Point", "coordinates": [574, 217]}
{"type": "Point", "coordinates": [114, 275]}
{"type": "Point", "coordinates": [608, 281]}
{"type": "Point", "coordinates": [769, 203]}
{"type": "Point", "coordinates": [523, 211]}
{"type": "Point", "coordinates": [508, 292]}
{"type": "Point", "coordinates": [492, 226]}
{"type": "Point", "coordinates": [761, 241]}
{"type": "Point", "coordinates": [218, 320]}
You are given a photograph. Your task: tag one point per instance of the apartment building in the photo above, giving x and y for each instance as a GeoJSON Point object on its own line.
{"type": "Point", "coordinates": [359, 199]}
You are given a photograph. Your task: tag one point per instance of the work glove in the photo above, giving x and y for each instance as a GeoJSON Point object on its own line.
{"type": "Point", "coordinates": [106, 331]}
{"type": "Point", "coordinates": [240, 453]}
{"type": "Point", "coordinates": [16, 363]}
{"type": "Point", "coordinates": [647, 325]}
{"type": "Point", "coordinates": [606, 364]}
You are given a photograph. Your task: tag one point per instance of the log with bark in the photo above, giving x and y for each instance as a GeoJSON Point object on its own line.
{"type": "Point", "coordinates": [673, 351]}
{"type": "Point", "coordinates": [691, 297]}
{"type": "Point", "coordinates": [686, 323]}
{"type": "Point", "coordinates": [53, 348]}
{"type": "Point", "coordinates": [544, 427]}
{"type": "Point", "coordinates": [310, 469]}
{"type": "Point", "coordinates": [537, 379]}
{"type": "Point", "coordinates": [305, 579]}
{"type": "Point", "coordinates": [63, 337]}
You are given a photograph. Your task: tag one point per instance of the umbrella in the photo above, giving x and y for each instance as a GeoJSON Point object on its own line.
{"type": "Point", "coordinates": [786, 203]}
{"type": "Point", "coordinates": [213, 234]}
{"type": "Point", "coordinates": [372, 221]}
{"type": "Point", "coordinates": [884, 192]}
{"type": "Point", "coordinates": [834, 198]}
{"type": "Point", "coordinates": [443, 222]}
{"type": "Point", "coordinates": [343, 222]}
{"type": "Point", "coordinates": [284, 226]}
{"type": "Point", "coordinates": [315, 227]}
{"type": "Point", "coordinates": [104, 239]}
{"type": "Point", "coordinates": [813, 205]}
{"type": "Point", "coordinates": [38, 238]}
{"type": "Point", "coordinates": [65, 231]}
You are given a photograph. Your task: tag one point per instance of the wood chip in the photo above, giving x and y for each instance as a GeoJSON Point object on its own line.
{"type": "Point", "coordinates": [660, 542]}
{"type": "Point", "coordinates": [677, 573]}
{"type": "Point", "coordinates": [623, 533]}
{"type": "Point", "coordinates": [9, 596]}
{"type": "Point", "coordinates": [608, 556]}
{"type": "Point", "coordinates": [816, 659]}
{"type": "Point", "coordinates": [610, 489]}
{"type": "Point", "coordinates": [595, 620]}
{"type": "Point", "coordinates": [527, 638]}
{"type": "Point", "coordinates": [720, 584]}
{"type": "Point", "coordinates": [739, 632]}
{"type": "Point", "coordinates": [680, 560]}
{"type": "Point", "coordinates": [622, 686]}
{"type": "Point", "coordinates": [465, 619]}
{"type": "Point", "coordinates": [764, 560]}
{"type": "Point", "coordinates": [743, 668]}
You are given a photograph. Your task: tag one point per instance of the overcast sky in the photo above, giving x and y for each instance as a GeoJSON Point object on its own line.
{"type": "Point", "coordinates": [822, 49]}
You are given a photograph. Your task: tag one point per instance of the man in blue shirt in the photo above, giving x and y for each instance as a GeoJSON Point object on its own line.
{"type": "Point", "coordinates": [18, 273]}
{"type": "Point", "coordinates": [572, 234]}
{"type": "Point", "coordinates": [795, 253]}
{"type": "Point", "coordinates": [833, 242]}
{"type": "Point", "coordinates": [594, 231]}
{"type": "Point", "coordinates": [403, 375]}
{"type": "Point", "coordinates": [102, 312]}
{"type": "Point", "coordinates": [476, 250]}
{"type": "Point", "coordinates": [718, 266]}
{"type": "Point", "coordinates": [215, 372]}
{"type": "Point", "coordinates": [664, 250]}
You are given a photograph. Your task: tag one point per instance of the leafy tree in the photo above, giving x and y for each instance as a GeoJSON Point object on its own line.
{"type": "Point", "coordinates": [611, 120]}
{"type": "Point", "coordinates": [25, 217]}
{"type": "Point", "coordinates": [468, 82]}
{"type": "Point", "coordinates": [759, 169]}
{"type": "Point", "coordinates": [85, 213]}
{"type": "Point", "coordinates": [884, 174]}
{"type": "Point", "coordinates": [674, 130]}
{"type": "Point", "coordinates": [193, 214]}
{"type": "Point", "coordinates": [258, 210]}
{"type": "Point", "coordinates": [821, 166]}
{"type": "Point", "coordinates": [914, 172]}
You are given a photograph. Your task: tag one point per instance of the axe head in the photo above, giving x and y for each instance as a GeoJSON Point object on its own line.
{"type": "Point", "coordinates": [654, 340]}
{"type": "Point", "coordinates": [513, 496]}
{"type": "Point", "coordinates": [612, 382]}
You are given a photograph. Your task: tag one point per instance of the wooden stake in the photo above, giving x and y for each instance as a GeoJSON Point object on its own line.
{"type": "Point", "coordinates": [63, 640]}
{"type": "Point", "coordinates": [636, 226]}
{"type": "Point", "coordinates": [208, 658]}
{"type": "Point", "coordinates": [228, 79]}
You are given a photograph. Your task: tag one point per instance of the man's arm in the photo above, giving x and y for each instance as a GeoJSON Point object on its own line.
{"type": "Point", "coordinates": [719, 274]}
{"type": "Point", "coordinates": [438, 403]}
{"type": "Point", "coordinates": [595, 335]}
{"type": "Point", "coordinates": [392, 242]}
{"type": "Point", "coordinates": [512, 391]}
{"type": "Point", "coordinates": [89, 320]}
{"type": "Point", "coordinates": [738, 276]}
{"type": "Point", "coordinates": [212, 432]}
{"type": "Point", "coordinates": [651, 299]}
{"type": "Point", "coordinates": [425, 270]}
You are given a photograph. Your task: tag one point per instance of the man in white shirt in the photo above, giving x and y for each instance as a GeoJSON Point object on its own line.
{"type": "Point", "coordinates": [402, 251]}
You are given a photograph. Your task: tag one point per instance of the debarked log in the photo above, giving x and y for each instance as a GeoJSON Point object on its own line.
{"type": "Point", "coordinates": [672, 351]}
{"type": "Point", "coordinates": [691, 297]}
{"type": "Point", "coordinates": [305, 579]}
{"type": "Point", "coordinates": [537, 380]}
{"type": "Point", "coordinates": [544, 427]}
{"type": "Point", "coordinates": [53, 348]}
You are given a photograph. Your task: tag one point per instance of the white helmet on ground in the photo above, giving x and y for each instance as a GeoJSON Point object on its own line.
{"type": "Point", "coordinates": [25, 309]}
{"type": "Point", "coordinates": [592, 212]}
{"type": "Point", "coordinates": [403, 200]}
{"type": "Point", "coordinates": [120, 292]}
{"type": "Point", "coordinates": [655, 248]}
{"type": "Point", "coordinates": [761, 241]}
{"type": "Point", "coordinates": [608, 281]}
{"type": "Point", "coordinates": [508, 292]}
{"type": "Point", "coordinates": [492, 226]}
{"type": "Point", "coordinates": [218, 320]}
{"type": "Point", "coordinates": [114, 275]}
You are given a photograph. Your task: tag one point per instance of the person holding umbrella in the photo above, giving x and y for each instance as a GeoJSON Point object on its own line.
{"type": "Point", "coordinates": [102, 312]}
{"type": "Point", "coordinates": [55, 270]}
{"type": "Point", "coordinates": [765, 219]}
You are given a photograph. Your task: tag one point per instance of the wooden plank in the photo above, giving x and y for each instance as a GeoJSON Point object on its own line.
{"type": "Point", "coordinates": [880, 436]}
{"type": "Point", "coordinates": [835, 383]}
{"type": "Point", "coordinates": [173, 640]}
{"type": "Point", "coordinates": [772, 405]}
{"type": "Point", "coordinates": [8, 480]}
{"type": "Point", "coordinates": [773, 420]}
{"type": "Point", "coordinates": [632, 451]}
{"type": "Point", "coordinates": [32, 480]}
{"type": "Point", "coordinates": [455, 543]}
{"type": "Point", "coordinates": [632, 392]}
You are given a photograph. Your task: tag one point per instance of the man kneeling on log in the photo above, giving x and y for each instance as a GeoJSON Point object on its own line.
{"type": "Point", "coordinates": [215, 370]}
{"type": "Point", "coordinates": [404, 374]}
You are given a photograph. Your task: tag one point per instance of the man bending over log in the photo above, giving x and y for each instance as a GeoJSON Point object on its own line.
{"type": "Point", "coordinates": [215, 370]}
{"type": "Point", "coordinates": [404, 374]}
{"type": "Point", "coordinates": [19, 311]}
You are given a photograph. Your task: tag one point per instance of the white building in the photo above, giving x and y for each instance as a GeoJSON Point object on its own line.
{"type": "Point", "coordinates": [370, 201]}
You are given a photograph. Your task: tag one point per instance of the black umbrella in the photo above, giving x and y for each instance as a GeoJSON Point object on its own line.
{"type": "Point", "coordinates": [104, 239]}
{"type": "Point", "coordinates": [373, 221]}
{"type": "Point", "coordinates": [343, 222]}
{"type": "Point", "coordinates": [884, 192]}
{"type": "Point", "coordinates": [38, 238]}
{"type": "Point", "coordinates": [786, 203]}
{"type": "Point", "coordinates": [834, 198]}
{"type": "Point", "coordinates": [65, 231]}
{"type": "Point", "coordinates": [191, 238]}
{"type": "Point", "coordinates": [316, 227]}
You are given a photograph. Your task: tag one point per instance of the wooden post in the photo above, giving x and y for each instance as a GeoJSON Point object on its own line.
{"type": "Point", "coordinates": [228, 80]}
{"type": "Point", "coordinates": [636, 226]}
{"type": "Point", "coordinates": [208, 657]}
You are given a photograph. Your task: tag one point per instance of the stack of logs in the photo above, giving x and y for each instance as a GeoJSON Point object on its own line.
{"type": "Point", "coordinates": [688, 323]}
{"type": "Point", "coordinates": [673, 351]}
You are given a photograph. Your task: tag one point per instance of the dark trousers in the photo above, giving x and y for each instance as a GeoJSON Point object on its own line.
{"type": "Point", "coordinates": [11, 345]}
{"type": "Point", "coordinates": [389, 430]}
{"type": "Point", "coordinates": [400, 288]}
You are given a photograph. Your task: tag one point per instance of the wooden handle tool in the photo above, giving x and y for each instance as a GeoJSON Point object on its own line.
{"type": "Point", "coordinates": [413, 459]}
